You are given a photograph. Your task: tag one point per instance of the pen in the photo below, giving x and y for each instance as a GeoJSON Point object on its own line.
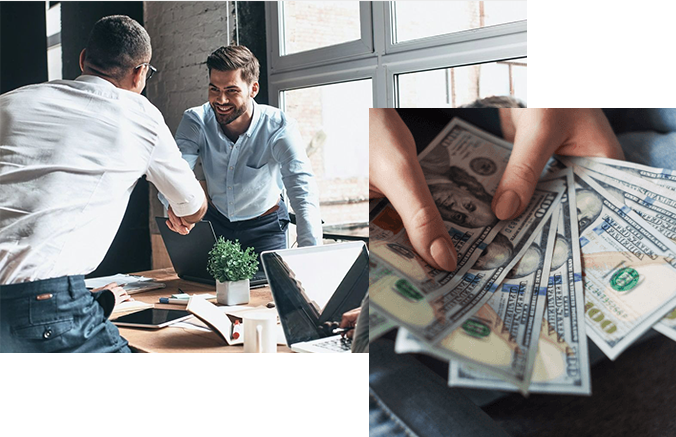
{"type": "Point", "coordinates": [341, 330]}
{"type": "Point", "coordinates": [185, 300]}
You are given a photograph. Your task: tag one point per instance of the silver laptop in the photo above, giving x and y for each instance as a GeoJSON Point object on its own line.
{"type": "Point", "coordinates": [312, 287]}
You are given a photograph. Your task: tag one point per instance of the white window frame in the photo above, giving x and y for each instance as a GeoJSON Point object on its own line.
{"type": "Point", "coordinates": [377, 57]}
{"type": "Point", "coordinates": [347, 50]}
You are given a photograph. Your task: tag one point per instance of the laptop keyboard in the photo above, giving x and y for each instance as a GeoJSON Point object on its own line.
{"type": "Point", "coordinates": [336, 344]}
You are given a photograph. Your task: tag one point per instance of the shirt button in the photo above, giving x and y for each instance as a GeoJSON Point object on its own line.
{"type": "Point", "coordinates": [229, 188]}
{"type": "Point", "coordinates": [231, 168]}
{"type": "Point", "coordinates": [48, 333]}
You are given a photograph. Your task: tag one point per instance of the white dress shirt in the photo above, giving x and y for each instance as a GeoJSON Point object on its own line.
{"type": "Point", "coordinates": [71, 153]}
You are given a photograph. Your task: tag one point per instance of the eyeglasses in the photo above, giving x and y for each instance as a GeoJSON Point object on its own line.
{"type": "Point", "coordinates": [151, 70]}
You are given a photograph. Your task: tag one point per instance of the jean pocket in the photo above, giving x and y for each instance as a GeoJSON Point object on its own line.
{"type": "Point", "coordinates": [45, 331]}
{"type": "Point", "coordinates": [43, 308]}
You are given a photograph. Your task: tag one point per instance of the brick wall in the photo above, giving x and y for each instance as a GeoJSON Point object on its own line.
{"type": "Point", "coordinates": [183, 34]}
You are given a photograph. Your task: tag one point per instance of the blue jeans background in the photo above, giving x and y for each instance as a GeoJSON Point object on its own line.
{"type": "Point", "coordinates": [73, 319]}
{"type": "Point", "coordinates": [408, 398]}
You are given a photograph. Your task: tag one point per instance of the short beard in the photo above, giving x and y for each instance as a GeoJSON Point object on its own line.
{"type": "Point", "coordinates": [225, 120]}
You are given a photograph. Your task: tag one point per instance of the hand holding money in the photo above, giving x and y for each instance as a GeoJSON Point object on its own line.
{"type": "Point", "coordinates": [539, 133]}
{"type": "Point", "coordinates": [394, 172]}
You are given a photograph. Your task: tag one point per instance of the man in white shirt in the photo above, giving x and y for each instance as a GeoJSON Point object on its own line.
{"type": "Point", "coordinates": [71, 153]}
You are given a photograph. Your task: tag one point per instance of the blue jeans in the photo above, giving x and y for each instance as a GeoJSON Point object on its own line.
{"type": "Point", "coordinates": [263, 233]}
{"type": "Point", "coordinates": [57, 315]}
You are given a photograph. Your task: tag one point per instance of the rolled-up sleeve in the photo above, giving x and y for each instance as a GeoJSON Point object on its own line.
{"type": "Point", "coordinates": [300, 184]}
{"type": "Point", "coordinates": [173, 177]}
{"type": "Point", "coordinates": [189, 137]}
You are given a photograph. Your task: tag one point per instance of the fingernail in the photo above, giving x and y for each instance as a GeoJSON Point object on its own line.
{"type": "Point", "coordinates": [443, 254]}
{"type": "Point", "coordinates": [508, 204]}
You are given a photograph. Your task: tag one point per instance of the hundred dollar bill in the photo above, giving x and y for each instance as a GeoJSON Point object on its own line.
{"type": "Point", "coordinates": [641, 199]}
{"type": "Point", "coordinates": [630, 269]}
{"type": "Point", "coordinates": [497, 262]}
{"type": "Point", "coordinates": [379, 324]}
{"type": "Point", "coordinates": [561, 364]}
{"type": "Point", "coordinates": [463, 167]}
{"type": "Point", "coordinates": [642, 196]}
{"type": "Point", "coordinates": [659, 176]}
{"type": "Point", "coordinates": [498, 337]}
{"type": "Point", "coordinates": [667, 325]}
{"type": "Point", "coordinates": [501, 338]}
{"type": "Point", "coordinates": [645, 189]}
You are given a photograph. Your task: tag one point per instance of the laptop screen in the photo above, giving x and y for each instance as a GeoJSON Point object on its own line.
{"type": "Point", "coordinates": [314, 285]}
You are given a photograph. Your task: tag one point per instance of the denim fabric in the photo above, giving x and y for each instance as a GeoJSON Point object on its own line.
{"type": "Point", "coordinates": [262, 233]}
{"type": "Point", "coordinates": [647, 136]}
{"type": "Point", "coordinates": [72, 319]}
{"type": "Point", "coordinates": [418, 401]}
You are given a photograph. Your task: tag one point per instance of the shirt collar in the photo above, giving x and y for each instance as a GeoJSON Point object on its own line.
{"type": "Point", "coordinates": [254, 120]}
{"type": "Point", "coordinates": [94, 79]}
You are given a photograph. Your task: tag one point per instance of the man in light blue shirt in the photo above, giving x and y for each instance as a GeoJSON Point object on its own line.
{"type": "Point", "coordinates": [249, 153]}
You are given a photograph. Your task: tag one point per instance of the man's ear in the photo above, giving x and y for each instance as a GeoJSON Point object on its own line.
{"type": "Point", "coordinates": [137, 78]}
{"type": "Point", "coordinates": [82, 59]}
{"type": "Point", "coordinates": [254, 90]}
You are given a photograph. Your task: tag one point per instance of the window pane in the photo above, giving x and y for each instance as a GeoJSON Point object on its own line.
{"type": "Point", "coordinates": [311, 25]}
{"type": "Point", "coordinates": [333, 121]}
{"type": "Point", "coordinates": [414, 20]}
{"type": "Point", "coordinates": [453, 87]}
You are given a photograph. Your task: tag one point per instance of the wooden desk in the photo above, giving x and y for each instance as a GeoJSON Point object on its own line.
{"type": "Point", "coordinates": [181, 339]}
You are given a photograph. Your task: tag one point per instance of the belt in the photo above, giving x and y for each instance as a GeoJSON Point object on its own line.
{"type": "Point", "coordinates": [271, 210]}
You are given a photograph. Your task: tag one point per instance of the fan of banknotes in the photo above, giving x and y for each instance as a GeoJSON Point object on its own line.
{"type": "Point", "coordinates": [593, 255]}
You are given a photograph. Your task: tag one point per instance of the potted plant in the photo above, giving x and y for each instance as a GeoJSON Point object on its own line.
{"type": "Point", "coordinates": [232, 268]}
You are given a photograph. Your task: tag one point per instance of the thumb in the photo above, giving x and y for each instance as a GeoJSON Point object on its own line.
{"type": "Point", "coordinates": [531, 151]}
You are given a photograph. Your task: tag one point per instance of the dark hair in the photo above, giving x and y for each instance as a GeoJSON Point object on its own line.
{"type": "Point", "coordinates": [496, 102]}
{"type": "Point", "coordinates": [228, 58]}
{"type": "Point", "coordinates": [116, 44]}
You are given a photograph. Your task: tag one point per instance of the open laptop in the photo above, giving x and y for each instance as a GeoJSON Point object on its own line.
{"type": "Point", "coordinates": [189, 254]}
{"type": "Point", "coordinates": [312, 288]}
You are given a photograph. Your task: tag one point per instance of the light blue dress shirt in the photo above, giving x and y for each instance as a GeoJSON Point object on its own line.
{"type": "Point", "coordinates": [246, 178]}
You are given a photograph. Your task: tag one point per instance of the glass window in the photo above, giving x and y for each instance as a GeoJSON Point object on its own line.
{"type": "Point", "coordinates": [453, 87]}
{"type": "Point", "coordinates": [334, 124]}
{"type": "Point", "coordinates": [311, 25]}
{"type": "Point", "coordinates": [422, 19]}
{"type": "Point", "coordinates": [54, 58]}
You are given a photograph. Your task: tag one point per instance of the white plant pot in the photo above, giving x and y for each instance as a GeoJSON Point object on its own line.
{"type": "Point", "coordinates": [232, 293]}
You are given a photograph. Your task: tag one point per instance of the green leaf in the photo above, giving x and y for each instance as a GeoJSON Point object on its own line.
{"type": "Point", "coordinates": [229, 262]}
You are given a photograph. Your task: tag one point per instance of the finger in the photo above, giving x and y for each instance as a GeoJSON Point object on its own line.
{"type": "Point", "coordinates": [344, 322]}
{"type": "Point", "coordinates": [350, 333]}
{"type": "Point", "coordinates": [175, 220]}
{"type": "Point", "coordinates": [400, 178]}
{"type": "Point", "coordinates": [177, 229]}
{"type": "Point", "coordinates": [532, 149]}
{"type": "Point", "coordinates": [411, 198]}
{"type": "Point", "coordinates": [593, 137]}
